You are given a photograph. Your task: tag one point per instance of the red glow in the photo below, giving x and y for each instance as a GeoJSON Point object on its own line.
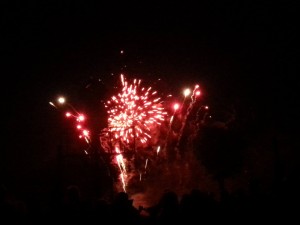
{"type": "Point", "coordinates": [176, 106]}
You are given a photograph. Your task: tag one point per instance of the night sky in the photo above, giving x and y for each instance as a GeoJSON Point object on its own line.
{"type": "Point", "coordinates": [240, 52]}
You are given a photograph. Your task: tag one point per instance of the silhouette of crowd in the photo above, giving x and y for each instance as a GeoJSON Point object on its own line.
{"type": "Point", "coordinates": [194, 207]}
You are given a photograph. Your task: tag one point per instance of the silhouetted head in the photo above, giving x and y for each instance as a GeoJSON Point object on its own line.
{"type": "Point", "coordinates": [122, 198]}
{"type": "Point", "coordinates": [169, 198]}
{"type": "Point", "coordinates": [73, 193]}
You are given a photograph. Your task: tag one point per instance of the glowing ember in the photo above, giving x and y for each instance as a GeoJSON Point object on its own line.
{"type": "Point", "coordinates": [187, 92]}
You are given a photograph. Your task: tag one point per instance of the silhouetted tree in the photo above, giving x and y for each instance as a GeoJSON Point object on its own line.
{"type": "Point", "coordinates": [220, 149]}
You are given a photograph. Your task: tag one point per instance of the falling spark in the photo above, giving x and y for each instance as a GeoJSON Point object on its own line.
{"type": "Point", "coordinates": [176, 107]}
{"type": "Point", "coordinates": [158, 149]}
{"type": "Point", "coordinates": [51, 103]}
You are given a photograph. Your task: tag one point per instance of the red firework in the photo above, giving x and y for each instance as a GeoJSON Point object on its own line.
{"type": "Point", "coordinates": [134, 113]}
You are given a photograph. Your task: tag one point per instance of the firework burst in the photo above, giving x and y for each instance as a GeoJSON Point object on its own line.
{"type": "Point", "coordinates": [139, 128]}
{"type": "Point", "coordinates": [134, 113]}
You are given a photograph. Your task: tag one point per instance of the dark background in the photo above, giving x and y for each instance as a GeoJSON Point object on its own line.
{"type": "Point", "coordinates": [241, 53]}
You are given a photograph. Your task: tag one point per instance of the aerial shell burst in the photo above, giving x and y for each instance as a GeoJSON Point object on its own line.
{"type": "Point", "coordinates": [134, 113]}
{"type": "Point", "coordinates": [139, 135]}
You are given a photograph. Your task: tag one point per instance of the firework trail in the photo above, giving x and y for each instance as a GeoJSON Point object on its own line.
{"type": "Point", "coordinates": [200, 117]}
{"type": "Point", "coordinates": [176, 107]}
{"type": "Point", "coordinates": [80, 118]}
{"type": "Point", "coordinates": [132, 115]}
{"type": "Point", "coordinates": [195, 94]}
